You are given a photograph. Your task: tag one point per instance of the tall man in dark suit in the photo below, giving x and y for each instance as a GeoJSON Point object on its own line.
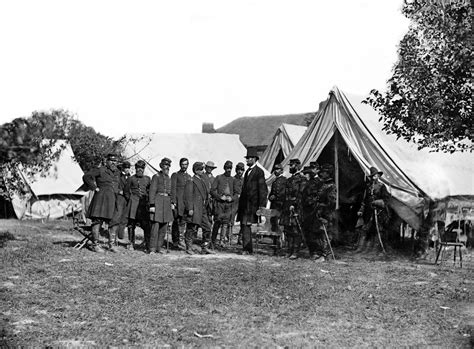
{"type": "Point", "coordinates": [254, 195]}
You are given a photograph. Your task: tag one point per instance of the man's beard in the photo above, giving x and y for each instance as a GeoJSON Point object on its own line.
{"type": "Point", "coordinates": [293, 170]}
{"type": "Point", "coordinates": [165, 171]}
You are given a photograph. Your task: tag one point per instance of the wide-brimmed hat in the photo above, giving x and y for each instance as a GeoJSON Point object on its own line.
{"type": "Point", "coordinates": [140, 164]}
{"type": "Point", "coordinates": [252, 153]}
{"type": "Point", "coordinates": [374, 171]}
{"type": "Point", "coordinates": [211, 164]}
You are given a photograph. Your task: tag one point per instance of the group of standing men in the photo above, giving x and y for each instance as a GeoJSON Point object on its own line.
{"type": "Point", "coordinates": [184, 201]}
{"type": "Point", "coordinates": [305, 203]}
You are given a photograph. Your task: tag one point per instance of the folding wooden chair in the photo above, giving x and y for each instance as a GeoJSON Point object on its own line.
{"type": "Point", "coordinates": [85, 230]}
{"type": "Point", "coordinates": [450, 238]}
{"type": "Point", "coordinates": [264, 232]}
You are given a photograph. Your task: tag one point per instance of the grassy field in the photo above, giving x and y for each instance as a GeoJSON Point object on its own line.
{"type": "Point", "coordinates": [54, 295]}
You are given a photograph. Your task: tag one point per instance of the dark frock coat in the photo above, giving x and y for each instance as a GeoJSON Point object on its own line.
{"type": "Point", "coordinates": [196, 198]}
{"type": "Point", "coordinates": [102, 205]}
{"type": "Point", "coordinates": [253, 196]}
{"type": "Point", "coordinates": [160, 197]}
{"type": "Point", "coordinates": [136, 192]}
{"type": "Point", "coordinates": [120, 215]}
{"type": "Point", "coordinates": [223, 186]}
{"type": "Point", "coordinates": [178, 182]}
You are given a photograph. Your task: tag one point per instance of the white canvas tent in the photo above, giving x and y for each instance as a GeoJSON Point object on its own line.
{"type": "Point", "coordinates": [216, 147]}
{"type": "Point", "coordinates": [53, 194]}
{"type": "Point", "coordinates": [415, 178]}
{"type": "Point", "coordinates": [284, 140]}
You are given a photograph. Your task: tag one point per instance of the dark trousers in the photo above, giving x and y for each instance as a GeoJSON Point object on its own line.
{"type": "Point", "coordinates": [246, 232]}
{"type": "Point", "coordinates": [144, 224]}
{"type": "Point", "coordinates": [157, 236]}
{"type": "Point", "coordinates": [177, 229]}
{"type": "Point", "coordinates": [192, 228]}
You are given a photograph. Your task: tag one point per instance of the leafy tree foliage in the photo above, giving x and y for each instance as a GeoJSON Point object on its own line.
{"type": "Point", "coordinates": [29, 144]}
{"type": "Point", "coordinates": [429, 97]}
{"type": "Point", "coordinates": [89, 146]}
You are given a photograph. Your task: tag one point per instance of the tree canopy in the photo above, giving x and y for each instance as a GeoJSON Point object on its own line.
{"type": "Point", "coordinates": [30, 142]}
{"type": "Point", "coordinates": [429, 96]}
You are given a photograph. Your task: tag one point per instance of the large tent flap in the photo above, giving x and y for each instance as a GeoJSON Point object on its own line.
{"type": "Point", "coordinates": [284, 140]}
{"type": "Point", "coordinates": [413, 177]}
{"type": "Point", "coordinates": [54, 193]}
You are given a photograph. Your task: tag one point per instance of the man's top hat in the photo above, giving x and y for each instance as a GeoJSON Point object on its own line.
{"type": "Point", "coordinates": [252, 153]}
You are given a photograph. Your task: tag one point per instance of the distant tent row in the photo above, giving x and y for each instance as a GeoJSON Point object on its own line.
{"type": "Point", "coordinates": [348, 134]}
{"type": "Point", "coordinates": [53, 194]}
{"type": "Point", "coordinates": [284, 140]}
{"type": "Point", "coordinates": [216, 147]}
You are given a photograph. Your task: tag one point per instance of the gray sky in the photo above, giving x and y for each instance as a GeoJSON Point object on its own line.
{"type": "Point", "coordinates": [168, 66]}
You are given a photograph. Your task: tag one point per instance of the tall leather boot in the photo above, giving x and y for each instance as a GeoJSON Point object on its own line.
{"type": "Point", "coordinates": [131, 238]}
{"type": "Point", "coordinates": [161, 236]}
{"type": "Point", "coordinates": [224, 237]}
{"type": "Point", "coordinates": [113, 238]}
{"type": "Point", "coordinates": [95, 238]}
{"type": "Point", "coordinates": [215, 231]}
{"type": "Point", "coordinates": [228, 234]}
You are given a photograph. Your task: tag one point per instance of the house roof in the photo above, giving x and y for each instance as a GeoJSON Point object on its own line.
{"type": "Point", "coordinates": [259, 130]}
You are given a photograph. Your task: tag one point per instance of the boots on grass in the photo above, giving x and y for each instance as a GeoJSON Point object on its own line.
{"type": "Point", "coordinates": [95, 239]}
{"type": "Point", "coordinates": [113, 238]}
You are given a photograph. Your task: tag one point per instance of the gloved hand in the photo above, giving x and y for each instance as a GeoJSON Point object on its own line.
{"type": "Point", "coordinates": [152, 209]}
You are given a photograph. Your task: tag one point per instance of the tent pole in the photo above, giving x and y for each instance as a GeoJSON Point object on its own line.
{"type": "Point", "coordinates": [336, 179]}
{"type": "Point", "coordinates": [336, 167]}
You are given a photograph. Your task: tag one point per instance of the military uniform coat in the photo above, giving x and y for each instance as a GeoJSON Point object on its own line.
{"type": "Point", "coordinates": [277, 193]}
{"type": "Point", "coordinates": [120, 215]}
{"type": "Point", "coordinates": [309, 204]}
{"type": "Point", "coordinates": [253, 196]}
{"type": "Point", "coordinates": [375, 191]}
{"type": "Point", "coordinates": [178, 182]}
{"type": "Point", "coordinates": [238, 181]}
{"type": "Point", "coordinates": [223, 186]}
{"type": "Point", "coordinates": [196, 198]}
{"type": "Point", "coordinates": [293, 190]}
{"type": "Point", "coordinates": [136, 192]}
{"type": "Point", "coordinates": [103, 203]}
{"type": "Point", "coordinates": [160, 197]}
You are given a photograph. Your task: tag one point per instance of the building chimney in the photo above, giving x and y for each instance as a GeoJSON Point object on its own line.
{"type": "Point", "coordinates": [208, 127]}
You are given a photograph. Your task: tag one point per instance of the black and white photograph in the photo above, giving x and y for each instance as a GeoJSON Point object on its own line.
{"type": "Point", "coordinates": [236, 174]}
